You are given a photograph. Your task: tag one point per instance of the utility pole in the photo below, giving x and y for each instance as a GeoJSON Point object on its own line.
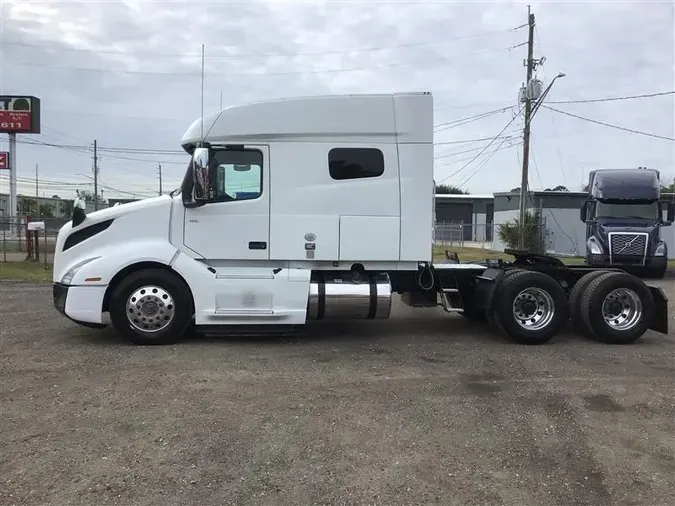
{"type": "Point", "coordinates": [159, 169]}
{"type": "Point", "coordinates": [14, 213]}
{"type": "Point", "coordinates": [526, 132]}
{"type": "Point", "coordinates": [95, 177]}
{"type": "Point", "coordinates": [37, 194]}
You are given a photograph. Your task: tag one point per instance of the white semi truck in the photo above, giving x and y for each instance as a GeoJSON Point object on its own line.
{"type": "Point", "coordinates": [316, 208]}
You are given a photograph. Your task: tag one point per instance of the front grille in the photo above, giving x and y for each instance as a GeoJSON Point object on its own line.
{"type": "Point", "coordinates": [625, 244]}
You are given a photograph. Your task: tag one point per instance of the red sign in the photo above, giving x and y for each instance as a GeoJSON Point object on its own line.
{"type": "Point", "coordinates": [19, 114]}
{"type": "Point", "coordinates": [16, 121]}
{"type": "Point", "coordinates": [4, 160]}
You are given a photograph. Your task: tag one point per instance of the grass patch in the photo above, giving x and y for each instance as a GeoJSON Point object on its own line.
{"type": "Point", "coordinates": [26, 271]}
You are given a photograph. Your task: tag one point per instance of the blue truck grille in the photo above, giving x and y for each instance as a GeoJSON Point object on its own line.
{"type": "Point", "coordinates": [627, 244]}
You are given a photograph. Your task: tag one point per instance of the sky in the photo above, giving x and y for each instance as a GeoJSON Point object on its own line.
{"type": "Point", "coordinates": [127, 74]}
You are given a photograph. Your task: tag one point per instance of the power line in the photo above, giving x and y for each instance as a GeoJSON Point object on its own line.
{"type": "Point", "coordinates": [483, 150]}
{"type": "Point", "coordinates": [87, 150]}
{"type": "Point", "coordinates": [443, 143]}
{"type": "Point", "coordinates": [552, 116]}
{"type": "Point", "coordinates": [110, 149]}
{"type": "Point", "coordinates": [482, 164]}
{"type": "Point", "coordinates": [611, 99]}
{"type": "Point", "coordinates": [462, 160]}
{"type": "Point", "coordinates": [610, 125]}
{"type": "Point", "coordinates": [266, 74]}
{"type": "Point", "coordinates": [469, 119]}
{"type": "Point", "coordinates": [445, 155]}
{"type": "Point", "coordinates": [572, 241]}
{"type": "Point", "coordinates": [286, 55]}
{"type": "Point", "coordinates": [66, 185]}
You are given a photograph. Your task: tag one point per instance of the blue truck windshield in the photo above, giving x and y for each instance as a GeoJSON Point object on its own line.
{"type": "Point", "coordinates": [648, 211]}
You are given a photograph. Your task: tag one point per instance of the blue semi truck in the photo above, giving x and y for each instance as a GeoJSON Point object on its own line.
{"type": "Point", "coordinates": [624, 215]}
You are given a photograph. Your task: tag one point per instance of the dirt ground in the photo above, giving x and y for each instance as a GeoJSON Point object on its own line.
{"type": "Point", "coordinates": [420, 409]}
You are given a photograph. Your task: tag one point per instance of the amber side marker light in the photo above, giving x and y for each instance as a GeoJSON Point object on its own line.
{"type": "Point", "coordinates": [86, 280]}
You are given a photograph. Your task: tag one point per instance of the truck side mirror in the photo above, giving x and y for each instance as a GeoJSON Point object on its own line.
{"type": "Point", "coordinates": [200, 173]}
{"type": "Point", "coordinates": [584, 211]}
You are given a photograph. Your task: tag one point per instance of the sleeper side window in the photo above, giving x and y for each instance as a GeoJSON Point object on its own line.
{"type": "Point", "coordinates": [355, 163]}
{"type": "Point", "coordinates": [238, 174]}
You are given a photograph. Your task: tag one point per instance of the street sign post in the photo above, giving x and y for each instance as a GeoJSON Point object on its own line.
{"type": "Point", "coordinates": [19, 114]}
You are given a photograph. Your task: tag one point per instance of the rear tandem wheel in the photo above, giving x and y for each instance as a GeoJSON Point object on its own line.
{"type": "Point", "coordinates": [575, 300]}
{"type": "Point", "coordinates": [529, 307]}
{"type": "Point", "coordinates": [616, 308]}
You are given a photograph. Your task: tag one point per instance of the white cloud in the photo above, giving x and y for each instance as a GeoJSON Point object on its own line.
{"type": "Point", "coordinates": [143, 93]}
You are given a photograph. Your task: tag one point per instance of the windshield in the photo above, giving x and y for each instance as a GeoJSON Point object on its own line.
{"type": "Point", "coordinates": [647, 211]}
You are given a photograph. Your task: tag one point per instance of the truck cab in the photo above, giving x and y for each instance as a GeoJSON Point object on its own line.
{"type": "Point", "coordinates": [624, 217]}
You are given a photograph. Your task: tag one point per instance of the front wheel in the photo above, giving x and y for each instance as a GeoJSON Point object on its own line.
{"type": "Point", "coordinates": [152, 306]}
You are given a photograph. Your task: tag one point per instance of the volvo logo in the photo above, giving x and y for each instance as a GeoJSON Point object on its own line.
{"type": "Point", "coordinates": [629, 243]}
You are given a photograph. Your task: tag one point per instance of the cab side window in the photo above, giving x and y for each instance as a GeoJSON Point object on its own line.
{"type": "Point", "coordinates": [238, 174]}
{"type": "Point", "coordinates": [355, 163]}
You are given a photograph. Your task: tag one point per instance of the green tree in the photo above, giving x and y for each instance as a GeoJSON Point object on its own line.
{"type": "Point", "coordinates": [28, 205]}
{"type": "Point", "coordinates": [509, 233]}
{"type": "Point", "coordinates": [46, 211]}
{"type": "Point", "coordinates": [448, 189]}
{"type": "Point", "coordinates": [67, 207]}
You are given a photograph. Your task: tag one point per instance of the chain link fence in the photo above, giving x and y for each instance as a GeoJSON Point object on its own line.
{"type": "Point", "coordinates": [486, 235]}
{"type": "Point", "coordinates": [18, 243]}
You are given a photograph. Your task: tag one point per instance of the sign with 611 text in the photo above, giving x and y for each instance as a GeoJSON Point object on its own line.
{"type": "Point", "coordinates": [19, 114]}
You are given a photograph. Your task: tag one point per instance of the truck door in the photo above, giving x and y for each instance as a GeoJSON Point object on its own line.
{"type": "Point", "coordinates": [234, 224]}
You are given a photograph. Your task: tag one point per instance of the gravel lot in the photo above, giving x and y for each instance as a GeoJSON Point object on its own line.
{"type": "Point", "coordinates": [419, 409]}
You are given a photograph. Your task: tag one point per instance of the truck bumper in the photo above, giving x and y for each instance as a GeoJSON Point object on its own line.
{"type": "Point", "coordinates": [80, 304]}
{"type": "Point", "coordinates": [629, 264]}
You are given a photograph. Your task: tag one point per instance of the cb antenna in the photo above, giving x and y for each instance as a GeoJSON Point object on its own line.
{"type": "Point", "coordinates": [202, 98]}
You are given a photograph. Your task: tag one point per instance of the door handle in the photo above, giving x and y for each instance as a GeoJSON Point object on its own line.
{"type": "Point", "coordinates": [257, 245]}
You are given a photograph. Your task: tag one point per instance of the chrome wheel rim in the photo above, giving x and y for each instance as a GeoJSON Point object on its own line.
{"type": "Point", "coordinates": [622, 309]}
{"type": "Point", "coordinates": [533, 308]}
{"type": "Point", "coordinates": [150, 309]}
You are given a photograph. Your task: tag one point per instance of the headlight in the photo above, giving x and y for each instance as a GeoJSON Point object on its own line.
{"type": "Point", "coordinates": [70, 273]}
{"type": "Point", "coordinates": [661, 250]}
{"type": "Point", "coordinates": [593, 246]}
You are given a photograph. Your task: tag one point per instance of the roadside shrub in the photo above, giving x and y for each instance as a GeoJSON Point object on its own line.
{"type": "Point", "coordinates": [509, 233]}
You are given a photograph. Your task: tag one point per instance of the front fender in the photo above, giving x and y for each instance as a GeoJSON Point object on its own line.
{"type": "Point", "coordinates": [112, 260]}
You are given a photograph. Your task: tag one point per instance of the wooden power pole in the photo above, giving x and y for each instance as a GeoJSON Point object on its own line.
{"type": "Point", "coordinates": [526, 132]}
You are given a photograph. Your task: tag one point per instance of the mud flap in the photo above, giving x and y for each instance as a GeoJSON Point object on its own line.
{"type": "Point", "coordinates": [659, 322]}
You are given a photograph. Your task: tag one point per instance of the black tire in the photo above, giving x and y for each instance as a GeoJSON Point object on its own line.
{"type": "Point", "coordinates": [510, 289]}
{"type": "Point", "coordinates": [182, 307]}
{"type": "Point", "coordinates": [575, 301]}
{"type": "Point", "coordinates": [592, 301]}
{"type": "Point", "coordinates": [486, 317]}
{"type": "Point", "coordinates": [490, 314]}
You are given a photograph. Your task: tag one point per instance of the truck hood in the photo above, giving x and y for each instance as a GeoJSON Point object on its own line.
{"type": "Point", "coordinates": [120, 210]}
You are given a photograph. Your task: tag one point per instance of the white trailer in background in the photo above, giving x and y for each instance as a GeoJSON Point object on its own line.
{"type": "Point", "coordinates": [316, 208]}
